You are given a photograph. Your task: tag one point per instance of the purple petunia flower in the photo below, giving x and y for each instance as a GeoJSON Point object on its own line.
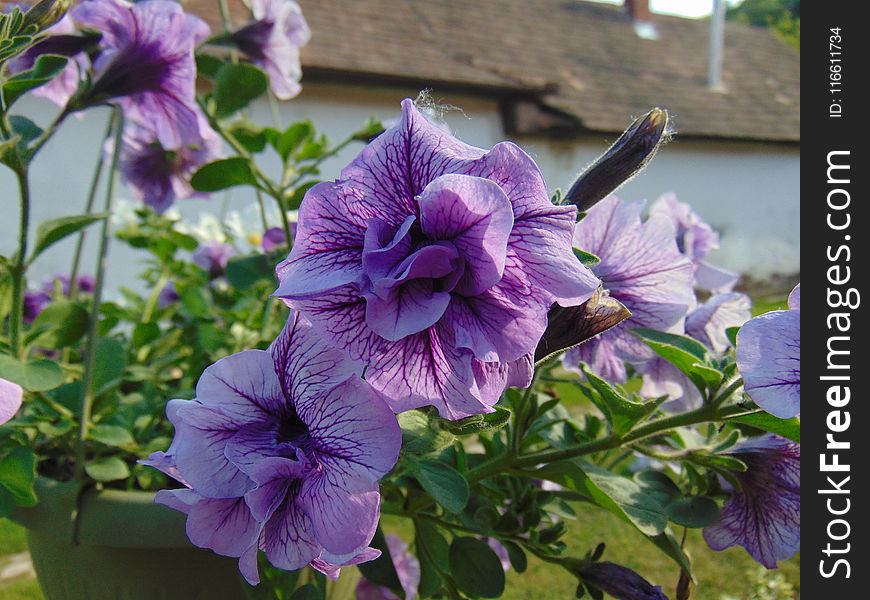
{"type": "Point", "coordinates": [146, 64]}
{"type": "Point", "coordinates": [272, 42]}
{"type": "Point", "coordinates": [161, 175]}
{"type": "Point", "coordinates": [696, 239]}
{"type": "Point", "coordinates": [281, 451]}
{"type": "Point", "coordinates": [641, 267]}
{"type": "Point", "coordinates": [11, 395]}
{"type": "Point", "coordinates": [61, 41]}
{"type": "Point", "coordinates": [435, 263]}
{"type": "Point", "coordinates": [620, 582]}
{"type": "Point", "coordinates": [213, 257]}
{"type": "Point", "coordinates": [407, 569]}
{"type": "Point", "coordinates": [764, 515]}
{"type": "Point", "coordinates": [275, 238]}
{"type": "Point", "coordinates": [34, 303]}
{"type": "Point", "coordinates": [769, 359]}
{"type": "Point", "coordinates": [168, 295]}
{"type": "Point", "coordinates": [85, 283]}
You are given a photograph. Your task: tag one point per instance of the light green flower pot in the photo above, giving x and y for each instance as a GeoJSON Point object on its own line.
{"type": "Point", "coordinates": [116, 545]}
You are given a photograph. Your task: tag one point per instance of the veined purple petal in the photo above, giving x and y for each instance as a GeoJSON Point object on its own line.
{"type": "Point", "coordinates": [708, 322]}
{"type": "Point", "coordinates": [11, 396]}
{"type": "Point", "coordinates": [769, 359]}
{"type": "Point", "coordinates": [225, 526]}
{"type": "Point", "coordinates": [341, 521]}
{"type": "Point", "coordinates": [661, 378]}
{"type": "Point", "coordinates": [288, 537]}
{"type": "Point", "coordinates": [476, 216]}
{"type": "Point", "coordinates": [244, 387]}
{"type": "Point", "coordinates": [714, 279]}
{"type": "Point", "coordinates": [331, 564]}
{"type": "Point", "coordinates": [794, 298]}
{"type": "Point", "coordinates": [763, 515]}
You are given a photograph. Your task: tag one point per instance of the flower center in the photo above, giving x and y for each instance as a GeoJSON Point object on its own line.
{"type": "Point", "coordinates": [136, 68]}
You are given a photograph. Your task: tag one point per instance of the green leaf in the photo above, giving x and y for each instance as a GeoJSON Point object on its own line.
{"type": "Point", "coordinates": [372, 129]}
{"type": "Point", "coordinates": [688, 355]}
{"type": "Point", "coordinates": [420, 435]}
{"type": "Point", "coordinates": [382, 570]}
{"type": "Point", "coordinates": [692, 512]}
{"type": "Point", "coordinates": [35, 376]}
{"type": "Point", "coordinates": [516, 555]}
{"type": "Point", "coordinates": [621, 413]}
{"type": "Point", "coordinates": [223, 174]}
{"type": "Point", "coordinates": [44, 69]}
{"type": "Point", "coordinates": [61, 324]}
{"type": "Point", "coordinates": [616, 494]}
{"type": "Point", "coordinates": [787, 428]}
{"type": "Point", "coordinates": [246, 271]}
{"type": "Point", "coordinates": [109, 364]}
{"type": "Point", "coordinates": [478, 423]}
{"type": "Point", "coordinates": [236, 86]}
{"type": "Point", "coordinates": [441, 481]}
{"type": "Point", "coordinates": [208, 65]}
{"type": "Point", "coordinates": [107, 469]}
{"type": "Point", "coordinates": [476, 568]}
{"type": "Point", "coordinates": [667, 543]}
{"type": "Point", "coordinates": [111, 435]}
{"type": "Point", "coordinates": [587, 258]}
{"type": "Point", "coordinates": [309, 591]}
{"type": "Point", "coordinates": [731, 332]}
{"type": "Point", "coordinates": [433, 552]}
{"type": "Point", "coordinates": [18, 474]}
{"type": "Point", "coordinates": [249, 134]}
{"type": "Point", "coordinates": [145, 333]}
{"type": "Point", "coordinates": [292, 138]}
{"type": "Point", "coordinates": [51, 232]}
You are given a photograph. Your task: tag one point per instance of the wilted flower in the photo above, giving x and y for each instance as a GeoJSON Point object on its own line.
{"type": "Point", "coordinates": [11, 395]}
{"type": "Point", "coordinates": [407, 568]}
{"type": "Point", "coordinates": [769, 358]}
{"type": "Point", "coordinates": [60, 41]}
{"type": "Point", "coordinates": [620, 582]}
{"type": "Point", "coordinates": [696, 239]}
{"type": "Point", "coordinates": [643, 269]}
{"type": "Point", "coordinates": [161, 175]}
{"type": "Point", "coordinates": [764, 514]}
{"type": "Point", "coordinates": [213, 257]}
{"type": "Point", "coordinates": [146, 64]}
{"type": "Point", "coordinates": [272, 42]}
{"type": "Point", "coordinates": [435, 263]}
{"type": "Point", "coordinates": [282, 451]}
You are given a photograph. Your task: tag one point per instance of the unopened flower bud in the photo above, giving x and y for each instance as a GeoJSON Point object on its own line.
{"type": "Point", "coordinates": [46, 13]}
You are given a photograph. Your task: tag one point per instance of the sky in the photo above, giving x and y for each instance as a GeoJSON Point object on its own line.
{"type": "Point", "coordinates": [683, 8]}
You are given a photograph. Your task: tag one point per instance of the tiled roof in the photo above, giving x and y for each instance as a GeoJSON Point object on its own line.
{"type": "Point", "coordinates": [581, 59]}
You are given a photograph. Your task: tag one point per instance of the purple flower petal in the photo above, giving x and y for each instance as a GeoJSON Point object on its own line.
{"type": "Point", "coordinates": [288, 537]}
{"type": "Point", "coordinates": [714, 279]}
{"type": "Point", "coordinates": [708, 322]}
{"type": "Point", "coordinates": [331, 564]}
{"type": "Point", "coordinates": [11, 396]}
{"type": "Point", "coordinates": [225, 526]}
{"type": "Point", "coordinates": [794, 298]}
{"type": "Point", "coordinates": [769, 359]}
{"type": "Point", "coordinates": [476, 216]}
{"type": "Point", "coordinates": [763, 515]}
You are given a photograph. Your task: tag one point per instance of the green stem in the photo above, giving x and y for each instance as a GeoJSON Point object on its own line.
{"type": "Point", "coordinates": [89, 208]}
{"type": "Point", "coordinates": [519, 416]}
{"type": "Point", "coordinates": [701, 415]}
{"type": "Point", "coordinates": [20, 267]}
{"type": "Point", "coordinates": [285, 222]}
{"type": "Point", "coordinates": [47, 134]}
{"type": "Point", "coordinates": [151, 304]}
{"type": "Point", "coordinates": [91, 354]}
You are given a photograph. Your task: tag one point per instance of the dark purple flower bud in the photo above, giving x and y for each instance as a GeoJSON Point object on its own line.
{"type": "Point", "coordinates": [275, 238]}
{"type": "Point", "coordinates": [625, 159]}
{"type": "Point", "coordinates": [764, 514]}
{"type": "Point", "coordinates": [168, 295]}
{"type": "Point", "coordinates": [272, 42]}
{"type": "Point", "coordinates": [213, 257]}
{"type": "Point", "coordinates": [146, 64]}
{"type": "Point", "coordinates": [34, 303]}
{"type": "Point", "coordinates": [620, 582]}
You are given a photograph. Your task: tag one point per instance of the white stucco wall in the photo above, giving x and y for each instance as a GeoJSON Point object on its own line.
{"type": "Point", "coordinates": [750, 192]}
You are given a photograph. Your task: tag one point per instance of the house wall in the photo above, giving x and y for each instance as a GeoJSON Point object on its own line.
{"type": "Point", "coordinates": [748, 191]}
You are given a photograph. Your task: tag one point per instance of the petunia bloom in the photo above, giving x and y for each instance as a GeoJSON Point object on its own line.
{"type": "Point", "coordinates": [407, 569]}
{"type": "Point", "coordinates": [11, 395]}
{"type": "Point", "coordinates": [696, 239]}
{"type": "Point", "coordinates": [146, 64]}
{"type": "Point", "coordinates": [281, 451]}
{"type": "Point", "coordinates": [769, 358]}
{"type": "Point", "coordinates": [60, 41]}
{"type": "Point", "coordinates": [620, 582]}
{"type": "Point", "coordinates": [159, 175]}
{"type": "Point", "coordinates": [272, 41]}
{"type": "Point", "coordinates": [642, 268]}
{"type": "Point", "coordinates": [764, 515]}
{"type": "Point", "coordinates": [213, 257]}
{"type": "Point", "coordinates": [435, 263]}
{"type": "Point", "coordinates": [34, 303]}
{"type": "Point", "coordinates": [275, 238]}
